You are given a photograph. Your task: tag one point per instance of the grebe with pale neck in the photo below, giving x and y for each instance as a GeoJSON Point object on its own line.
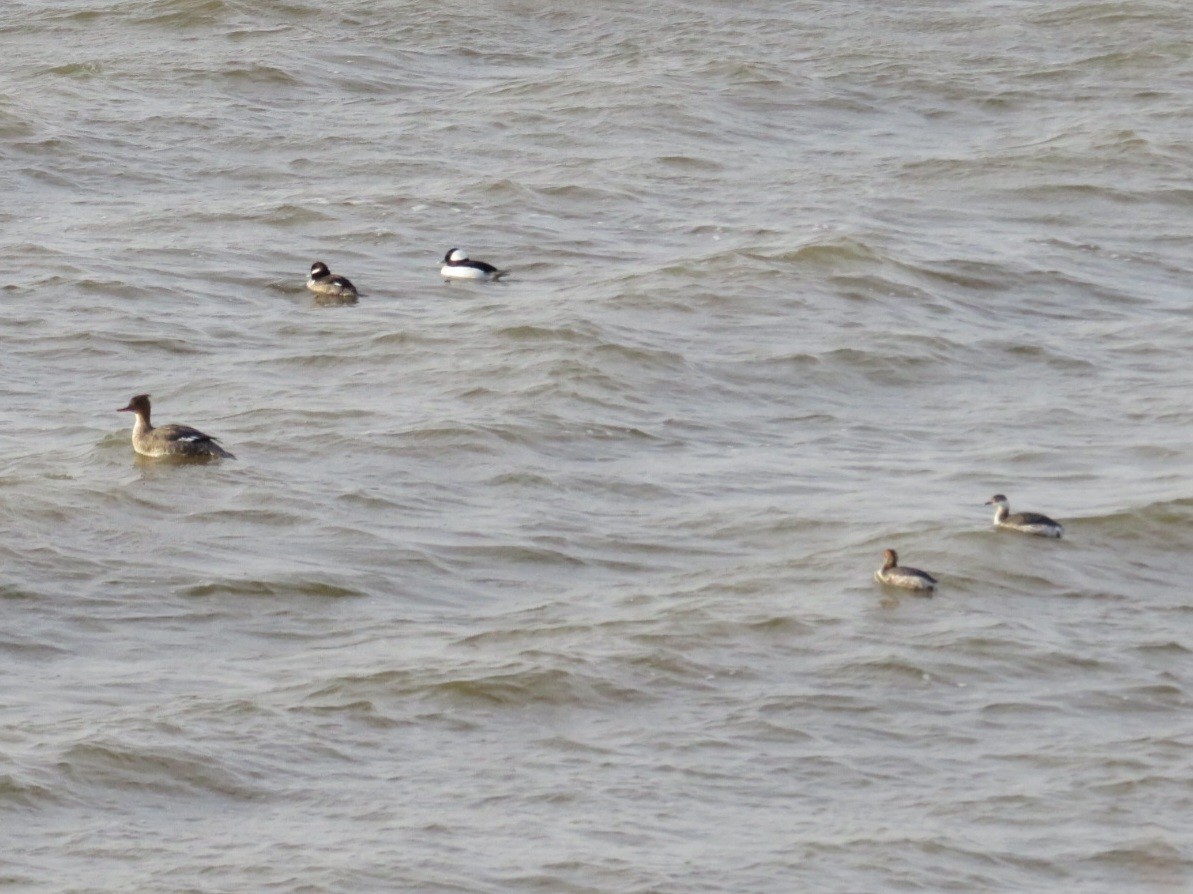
{"type": "Point", "coordinates": [1024, 522]}
{"type": "Point", "coordinates": [457, 265]}
{"type": "Point", "coordinates": [330, 288]}
{"type": "Point", "coordinates": [908, 578]}
{"type": "Point", "coordinates": [170, 440]}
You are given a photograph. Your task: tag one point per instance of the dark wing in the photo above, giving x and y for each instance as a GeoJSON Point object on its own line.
{"type": "Point", "coordinates": [191, 441]}
{"type": "Point", "coordinates": [1030, 518]}
{"type": "Point", "coordinates": [183, 433]}
{"type": "Point", "coordinates": [483, 267]}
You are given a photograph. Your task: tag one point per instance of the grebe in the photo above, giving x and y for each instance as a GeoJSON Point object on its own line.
{"type": "Point", "coordinates": [1025, 522]}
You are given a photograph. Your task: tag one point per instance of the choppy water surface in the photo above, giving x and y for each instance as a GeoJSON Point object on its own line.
{"type": "Point", "coordinates": [564, 583]}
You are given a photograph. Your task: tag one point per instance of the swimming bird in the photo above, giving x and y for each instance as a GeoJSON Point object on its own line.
{"type": "Point", "coordinates": [1025, 522]}
{"type": "Point", "coordinates": [907, 578]}
{"type": "Point", "coordinates": [456, 265]}
{"type": "Point", "coordinates": [169, 440]}
{"type": "Point", "coordinates": [331, 289]}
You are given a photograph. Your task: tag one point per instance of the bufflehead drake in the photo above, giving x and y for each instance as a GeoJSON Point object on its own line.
{"type": "Point", "coordinates": [907, 578]}
{"type": "Point", "coordinates": [1026, 522]}
{"type": "Point", "coordinates": [169, 440]}
{"type": "Point", "coordinates": [456, 265]}
{"type": "Point", "coordinates": [327, 286]}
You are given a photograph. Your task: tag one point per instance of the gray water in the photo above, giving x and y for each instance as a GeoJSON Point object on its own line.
{"type": "Point", "coordinates": [564, 583]}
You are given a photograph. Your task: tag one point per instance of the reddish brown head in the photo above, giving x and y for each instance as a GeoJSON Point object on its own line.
{"type": "Point", "coordinates": [138, 405]}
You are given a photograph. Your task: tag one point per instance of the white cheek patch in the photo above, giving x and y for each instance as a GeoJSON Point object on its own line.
{"type": "Point", "coordinates": [458, 256]}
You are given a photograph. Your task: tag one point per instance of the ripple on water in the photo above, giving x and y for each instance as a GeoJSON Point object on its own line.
{"type": "Point", "coordinates": [122, 767]}
{"type": "Point", "coordinates": [503, 687]}
{"type": "Point", "coordinates": [579, 565]}
{"type": "Point", "coordinates": [293, 587]}
{"type": "Point", "coordinates": [17, 793]}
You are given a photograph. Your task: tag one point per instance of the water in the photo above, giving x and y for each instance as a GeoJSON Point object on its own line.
{"type": "Point", "coordinates": [564, 583]}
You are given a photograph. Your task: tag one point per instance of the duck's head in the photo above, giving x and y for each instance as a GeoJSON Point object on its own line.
{"type": "Point", "coordinates": [138, 405]}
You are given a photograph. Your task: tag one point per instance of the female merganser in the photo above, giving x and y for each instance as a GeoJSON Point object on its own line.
{"type": "Point", "coordinates": [324, 284]}
{"type": "Point", "coordinates": [169, 440]}
{"type": "Point", "coordinates": [907, 578]}
{"type": "Point", "coordinates": [457, 266]}
{"type": "Point", "coordinates": [1026, 522]}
